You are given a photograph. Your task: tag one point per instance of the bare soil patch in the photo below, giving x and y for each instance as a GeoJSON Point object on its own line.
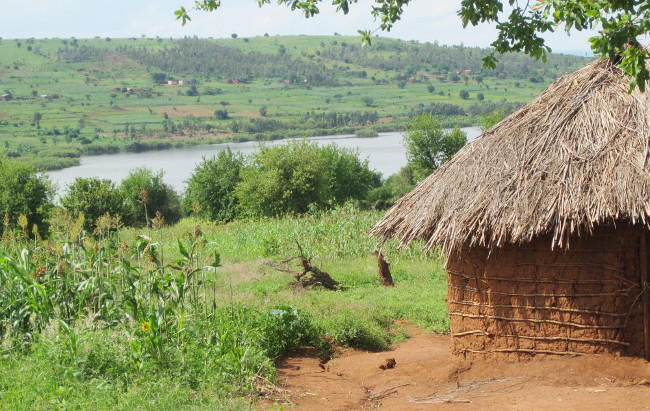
{"type": "Point", "coordinates": [425, 376]}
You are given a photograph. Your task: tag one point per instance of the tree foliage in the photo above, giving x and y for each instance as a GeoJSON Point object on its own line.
{"type": "Point", "coordinates": [196, 57]}
{"type": "Point", "coordinates": [144, 193]}
{"type": "Point", "coordinates": [211, 187]}
{"type": "Point", "coordinates": [298, 176]}
{"type": "Point", "coordinates": [93, 197]}
{"type": "Point", "coordinates": [23, 191]}
{"type": "Point", "coordinates": [428, 145]}
{"type": "Point", "coordinates": [520, 26]}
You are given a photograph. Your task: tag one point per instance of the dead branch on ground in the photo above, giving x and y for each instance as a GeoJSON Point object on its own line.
{"type": "Point", "coordinates": [316, 276]}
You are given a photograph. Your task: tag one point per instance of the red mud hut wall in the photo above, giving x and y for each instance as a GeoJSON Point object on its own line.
{"type": "Point", "coordinates": [525, 301]}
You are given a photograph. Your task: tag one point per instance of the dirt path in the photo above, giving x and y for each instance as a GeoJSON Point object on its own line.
{"type": "Point", "coordinates": [426, 377]}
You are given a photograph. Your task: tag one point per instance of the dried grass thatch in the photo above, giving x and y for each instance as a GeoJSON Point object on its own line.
{"type": "Point", "coordinates": [573, 158]}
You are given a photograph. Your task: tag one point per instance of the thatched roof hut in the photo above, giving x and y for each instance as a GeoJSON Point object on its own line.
{"type": "Point", "coordinates": [544, 217]}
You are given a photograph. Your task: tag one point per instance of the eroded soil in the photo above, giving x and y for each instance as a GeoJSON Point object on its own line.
{"type": "Point", "coordinates": [426, 377]}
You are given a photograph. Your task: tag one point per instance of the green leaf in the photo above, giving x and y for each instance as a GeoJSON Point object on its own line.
{"type": "Point", "coordinates": [182, 250]}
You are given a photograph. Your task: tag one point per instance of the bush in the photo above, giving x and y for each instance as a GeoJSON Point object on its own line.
{"type": "Point", "coordinates": [286, 328]}
{"type": "Point", "coordinates": [211, 187]}
{"type": "Point", "coordinates": [22, 191]}
{"type": "Point", "coordinates": [221, 114]}
{"type": "Point", "coordinates": [363, 331]}
{"type": "Point", "coordinates": [428, 145]}
{"type": "Point", "coordinates": [366, 132]}
{"type": "Point", "coordinates": [395, 187]}
{"type": "Point", "coordinates": [298, 176]}
{"type": "Point", "coordinates": [92, 197]}
{"type": "Point", "coordinates": [145, 193]}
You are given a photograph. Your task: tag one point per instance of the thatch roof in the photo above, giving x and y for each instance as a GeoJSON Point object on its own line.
{"type": "Point", "coordinates": [573, 158]}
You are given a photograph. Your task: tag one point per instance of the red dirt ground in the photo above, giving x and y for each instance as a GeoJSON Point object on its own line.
{"type": "Point", "coordinates": [426, 377]}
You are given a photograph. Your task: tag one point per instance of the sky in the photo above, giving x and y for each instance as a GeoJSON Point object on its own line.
{"type": "Point", "coordinates": [423, 20]}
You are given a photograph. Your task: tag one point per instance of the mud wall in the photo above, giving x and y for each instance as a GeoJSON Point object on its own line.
{"type": "Point", "coordinates": [524, 302]}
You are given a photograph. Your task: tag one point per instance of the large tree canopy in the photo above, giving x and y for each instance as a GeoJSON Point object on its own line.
{"type": "Point", "coordinates": [520, 26]}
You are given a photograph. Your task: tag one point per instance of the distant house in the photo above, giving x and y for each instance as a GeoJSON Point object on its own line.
{"type": "Point", "coordinates": [6, 97]}
{"type": "Point", "coordinates": [175, 82]}
{"type": "Point", "coordinates": [467, 72]}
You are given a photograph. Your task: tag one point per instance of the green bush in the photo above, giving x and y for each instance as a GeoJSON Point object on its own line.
{"type": "Point", "coordinates": [300, 176]}
{"type": "Point", "coordinates": [211, 187]}
{"type": "Point", "coordinates": [23, 191]}
{"type": "Point", "coordinates": [428, 145]}
{"type": "Point", "coordinates": [145, 193]}
{"type": "Point", "coordinates": [358, 330]}
{"type": "Point", "coordinates": [287, 328]}
{"type": "Point", "coordinates": [366, 132]}
{"type": "Point", "coordinates": [395, 187]}
{"type": "Point", "coordinates": [92, 197]}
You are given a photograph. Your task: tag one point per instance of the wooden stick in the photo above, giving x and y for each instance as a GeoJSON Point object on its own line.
{"type": "Point", "coordinates": [529, 307]}
{"type": "Point", "coordinates": [527, 337]}
{"type": "Point", "coordinates": [643, 277]}
{"type": "Point", "coordinates": [621, 293]}
{"type": "Point", "coordinates": [533, 280]}
{"type": "Point", "coordinates": [524, 350]}
{"type": "Point", "coordinates": [533, 320]}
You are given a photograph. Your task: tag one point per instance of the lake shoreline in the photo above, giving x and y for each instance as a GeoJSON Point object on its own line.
{"type": "Point", "coordinates": [385, 153]}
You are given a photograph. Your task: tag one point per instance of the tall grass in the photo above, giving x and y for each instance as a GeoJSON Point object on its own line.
{"type": "Point", "coordinates": [91, 320]}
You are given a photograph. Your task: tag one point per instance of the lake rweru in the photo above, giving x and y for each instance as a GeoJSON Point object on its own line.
{"type": "Point", "coordinates": [385, 153]}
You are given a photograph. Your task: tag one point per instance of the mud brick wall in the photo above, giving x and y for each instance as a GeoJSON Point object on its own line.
{"type": "Point", "coordinates": [528, 301]}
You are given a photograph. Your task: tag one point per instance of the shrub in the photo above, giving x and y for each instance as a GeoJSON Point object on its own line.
{"type": "Point", "coordinates": [395, 187]}
{"type": "Point", "coordinates": [221, 114]}
{"type": "Point", "coordinates": [364, 331]}
{"type": "Point", "coordinates": [286, 328]}
{"type": "Point", "coordinates": [92, 197]}
{"type": "Point", "coordinates": [211, 187]}
{"type": "Point", "coordinates": [428, 145]}
{"type": "Point", "coordinates": [23, 191]}
{"type": "Point", "coordinates": [298, 176]}
{"type": "Point", "coordinates": [366, 132]}
{"type": "Point", "coordinates": [145, 193]}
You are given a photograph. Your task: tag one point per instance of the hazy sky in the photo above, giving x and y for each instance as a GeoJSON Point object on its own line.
{"type": "Point", "coordinates": [423, 20]}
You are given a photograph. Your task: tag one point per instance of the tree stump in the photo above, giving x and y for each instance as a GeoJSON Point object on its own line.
{"type": "Point", "coordinates": [384, 272]}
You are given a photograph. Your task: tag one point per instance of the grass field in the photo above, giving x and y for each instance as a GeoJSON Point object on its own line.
{"type": "Point", "coordinates": [95, 114]}
{"type": "Point", "coordinates": [140, 320]}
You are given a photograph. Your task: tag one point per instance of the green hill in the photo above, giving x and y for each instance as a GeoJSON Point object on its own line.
{"type": "Point", "coordinates": [66, 97]}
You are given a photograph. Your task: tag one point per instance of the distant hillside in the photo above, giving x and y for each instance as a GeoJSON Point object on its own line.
{"type": "Point", "coordinates": [62, 98]}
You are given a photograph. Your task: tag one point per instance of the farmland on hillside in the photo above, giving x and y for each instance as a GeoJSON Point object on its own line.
{"type": "Point", "coordinates": [62, 98]}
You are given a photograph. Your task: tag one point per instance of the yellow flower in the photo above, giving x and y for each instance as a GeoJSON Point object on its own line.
{"type": "Point", "coordinates": [146, 326]}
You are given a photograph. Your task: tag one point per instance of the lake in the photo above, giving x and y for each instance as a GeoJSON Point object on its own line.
{"type": "Point", "coordinates": [385, 153]}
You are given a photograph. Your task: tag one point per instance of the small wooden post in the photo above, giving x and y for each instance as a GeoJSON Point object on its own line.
{"type": "Point", "coordinates": [645, 299]}
{"type": "Point", "coordinates": [384, 271]}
